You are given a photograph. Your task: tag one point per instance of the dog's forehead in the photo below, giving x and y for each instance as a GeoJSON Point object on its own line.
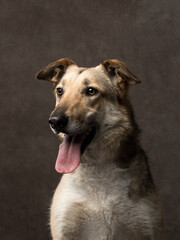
{"type": "Point", "coordinates": [91, 74]}
{"type": "Point", "coordinates": [86, 75]}
{"type": "Point", "coordinates": [72, 72]}
{"type": "Point", "coordinates": [81, 76]}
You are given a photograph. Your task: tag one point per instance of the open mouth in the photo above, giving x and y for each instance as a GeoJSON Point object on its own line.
{"type": "Point", "coordinates": [88, 139]}
{"type": "Point", "coordinates": [71, 149]}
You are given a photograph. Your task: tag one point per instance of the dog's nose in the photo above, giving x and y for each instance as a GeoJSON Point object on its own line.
{"type": "Point", "coordinates": [58, 122]}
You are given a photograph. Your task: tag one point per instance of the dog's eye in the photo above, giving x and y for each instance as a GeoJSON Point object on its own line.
{"type": "Point", "coordinates": [91, 91]}
{"type": "Point", "coordinates": [59, 91]}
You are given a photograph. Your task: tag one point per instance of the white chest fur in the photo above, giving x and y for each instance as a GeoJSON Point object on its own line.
{"type": "Point", "coordinates": [94, 202]}
{"type": "Point", "coordinates": [92, 195]}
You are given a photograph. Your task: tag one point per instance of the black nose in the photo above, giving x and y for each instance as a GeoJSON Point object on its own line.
{"type": "Point", "coordinates": [58, 122]}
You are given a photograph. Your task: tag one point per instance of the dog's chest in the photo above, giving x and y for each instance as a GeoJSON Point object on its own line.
{"type": "Point", "coordinates": [93, 203]}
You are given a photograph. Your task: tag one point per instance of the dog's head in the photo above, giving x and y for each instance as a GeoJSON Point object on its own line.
{"type": "Point", "coordinates": [89, 101]}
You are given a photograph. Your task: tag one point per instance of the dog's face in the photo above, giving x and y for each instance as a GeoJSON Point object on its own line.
{"type": "Point", "coordinates": [79, 101]}
{"type": "Point", "coordinates": [88, 100]}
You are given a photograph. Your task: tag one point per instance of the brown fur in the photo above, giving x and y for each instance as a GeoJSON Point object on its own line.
{"type": "Point", "coordinates": [111, 195]}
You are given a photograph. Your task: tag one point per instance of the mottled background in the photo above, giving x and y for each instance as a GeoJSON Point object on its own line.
{"type": "Point", "coordinates": [143, 34]}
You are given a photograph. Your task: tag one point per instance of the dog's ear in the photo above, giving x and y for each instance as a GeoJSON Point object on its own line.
{"type": "Point", "coordinates": [55, 70]}
{"type": "Point", "coordinates": [117, 68]}
{"type": "Point", "coordinates": [120, 76]}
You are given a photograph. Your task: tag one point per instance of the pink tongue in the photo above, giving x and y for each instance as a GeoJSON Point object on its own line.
{"type": "Point", "coordinates": [69, 154]}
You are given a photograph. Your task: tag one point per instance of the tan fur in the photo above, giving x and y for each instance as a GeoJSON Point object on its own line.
{"type": "Point", "coordinates": [111, 195]}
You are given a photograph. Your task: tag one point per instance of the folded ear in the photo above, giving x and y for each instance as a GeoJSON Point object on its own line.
{"type": "Point", "coordinates": [117, 68]}
{"type": "Point", "coordinates": [55, 70]}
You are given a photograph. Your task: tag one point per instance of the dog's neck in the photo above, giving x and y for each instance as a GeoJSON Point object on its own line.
{"type": "Point", "coordinates": [116, 145]}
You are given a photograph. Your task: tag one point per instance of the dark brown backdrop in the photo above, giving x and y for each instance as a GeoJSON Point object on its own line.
{"type": "Point", "coordinates": [33, 33]}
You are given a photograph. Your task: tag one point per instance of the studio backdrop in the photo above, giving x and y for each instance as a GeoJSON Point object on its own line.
{"type": "Point", "coordinates": [144, 35]}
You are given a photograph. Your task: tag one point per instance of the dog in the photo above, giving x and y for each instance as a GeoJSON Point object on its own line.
{"type": "Point", "coordinates": [106, 192]}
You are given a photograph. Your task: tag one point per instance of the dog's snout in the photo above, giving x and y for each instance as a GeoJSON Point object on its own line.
{"type": "Point", "coordinates": [58, 122]}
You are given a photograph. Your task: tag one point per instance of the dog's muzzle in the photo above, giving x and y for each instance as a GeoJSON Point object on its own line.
{"type": "Point", "coordinates": [58, 122]}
